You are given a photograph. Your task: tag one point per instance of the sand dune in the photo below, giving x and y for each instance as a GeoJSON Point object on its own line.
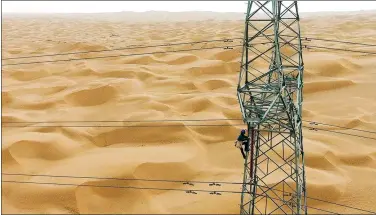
{"type": "Point", "coordinates": [339, 89]}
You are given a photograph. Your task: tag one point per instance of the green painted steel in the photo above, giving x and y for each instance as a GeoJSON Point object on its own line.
{"type": "Point", "coordinates": [270, 97]}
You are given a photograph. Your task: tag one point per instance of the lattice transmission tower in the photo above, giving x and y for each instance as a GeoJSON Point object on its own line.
{"type": "Point", "coordinates": [270, 97]}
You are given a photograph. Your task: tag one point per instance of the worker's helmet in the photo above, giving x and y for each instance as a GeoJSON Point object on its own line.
{"type": "Point", "coordinates": [243, 131]}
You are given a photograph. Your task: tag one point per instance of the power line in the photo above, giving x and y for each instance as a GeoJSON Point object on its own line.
{"type": "Point", "coordinates": [172, 120]}
{"type": "Point", "coordinates": [338, 41]}
{"type": "Point", "coordinates": [171, 44]}
{"type": "Point", "coordinates": [320, 123]}
{"type": "Point", "coordinates": [123, 55]}
{"type": "Point", "coordinates": [169, 120]}
{"type": "Point", "coordinates": [188, 182]}
{"type": "Point", "coordinates": [354, 135]}
{"type": "Point", "coordinates": [338, 49]}
{"type": "Point", "coordinates": [185, 93]}
{"type": "Point", "coordinates": [319, 209]}
{"type": "Point", "coordinates": [122, 187]}
{"type": "Point", "coordinates": [144, 188]}
{"type": "Point", "coordinates": [128, 48]}
{"type": "Point", "coordinates": [137, 46]}
{"type": "Point", "coordinates": [190, 191]}
{"type": "Point", "coordinates": [124, 179]}
{"type": "Point", "coordinates": [151, 126]}
{"type": "Point", "coordinates": [346, 206]}
{"type": "Point", "coordinates": [161, 126]}
{"type": "Point", "coordinates": [321, 200]}
{"type": "Point", "coordinates": [123, 48]}
{"type": "Point", "coordinates": [114, 126]}
{"type": "Point", "coordinates": [182, 50]}
{"type": "Point", "coordinates": [157, 120]}
{"type": "Point", "coordinates": [309, 38]}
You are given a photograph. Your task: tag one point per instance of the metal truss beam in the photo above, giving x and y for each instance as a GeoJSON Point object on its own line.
{"type": "Point", "coordinates": [270, 97]}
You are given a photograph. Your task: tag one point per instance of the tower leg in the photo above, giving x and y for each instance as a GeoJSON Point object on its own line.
{"type": "Point", "coordinates": [270, 97]}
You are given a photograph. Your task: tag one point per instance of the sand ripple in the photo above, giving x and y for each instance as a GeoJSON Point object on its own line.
{"type": "Point", "coordinates": [338, 89]}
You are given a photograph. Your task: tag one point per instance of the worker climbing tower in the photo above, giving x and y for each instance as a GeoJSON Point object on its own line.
{"type": "Point", "coordinates": [270, 97]}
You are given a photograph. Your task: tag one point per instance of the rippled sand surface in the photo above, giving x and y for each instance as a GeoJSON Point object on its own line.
{"type": "Point", "coordinates": [339, 89]}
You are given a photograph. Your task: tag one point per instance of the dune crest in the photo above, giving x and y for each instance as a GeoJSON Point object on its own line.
{"type": "Point", "coordinates": [68, 102]}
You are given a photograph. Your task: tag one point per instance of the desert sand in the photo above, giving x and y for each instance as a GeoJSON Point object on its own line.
{"type": "Point", "coordinates": [339, 89]}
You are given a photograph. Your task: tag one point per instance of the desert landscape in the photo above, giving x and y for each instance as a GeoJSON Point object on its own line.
{"type": "Point", "coordinates": [65, 118]}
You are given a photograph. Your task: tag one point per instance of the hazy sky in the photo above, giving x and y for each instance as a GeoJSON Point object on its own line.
{"type": "Point", "coordinates": [173, 6]}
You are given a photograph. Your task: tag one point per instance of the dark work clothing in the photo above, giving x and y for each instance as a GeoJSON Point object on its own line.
{"type": "Point", "coordinates": [244, 139]}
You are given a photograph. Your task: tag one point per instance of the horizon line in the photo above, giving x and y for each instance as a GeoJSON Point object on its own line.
{"type": "Point", "coordinates": [165, 11]}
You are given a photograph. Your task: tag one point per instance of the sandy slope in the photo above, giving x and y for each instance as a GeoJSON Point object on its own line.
{"type": "Point", "coordinates": [339, 89]}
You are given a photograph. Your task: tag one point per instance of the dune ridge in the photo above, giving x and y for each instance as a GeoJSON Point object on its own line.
{"type": "Point", "coordinates": [338, 89]}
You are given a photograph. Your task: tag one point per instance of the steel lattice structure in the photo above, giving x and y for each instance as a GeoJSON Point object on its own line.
{"type": "Point", "coordinates": [270, 97]}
